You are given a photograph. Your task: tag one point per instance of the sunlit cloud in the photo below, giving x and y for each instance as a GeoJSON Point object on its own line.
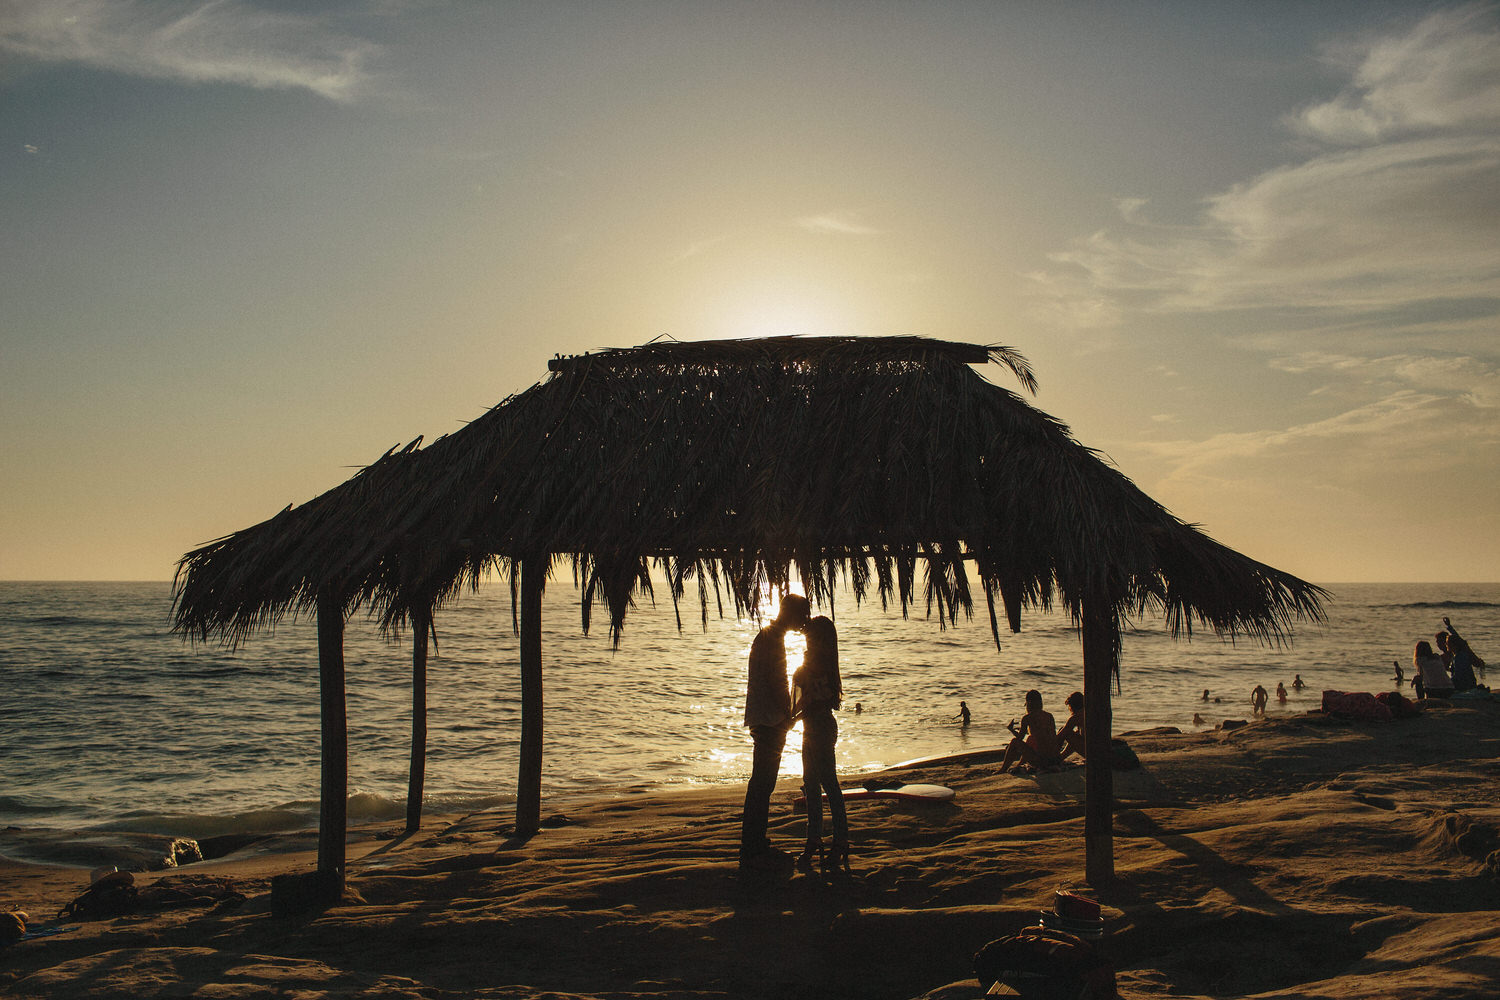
{"type": "Point", "coordinates": [835, 224]}
{"type": "Point", "coordinates": [1377, 421]}
{"type": "Point", "coordinates": [1415, 414]}
{"type": "Point", "coordinates": [1367, 273]}
{"type": "Point", "coordinates": [1469, 380]}
{"type": "Point", "coordinates": [194, 42]}
{"type": "Point", "coordinates": [1401, 205]}
{"type": "Point", "coordinates": [1062, 301]}
{"type": "Point", "coordinates": [1443, 75]}
{"type": "Point", "coordinates": [1365, 229]}
{"type": "Point", "coordinates": [698, 248]}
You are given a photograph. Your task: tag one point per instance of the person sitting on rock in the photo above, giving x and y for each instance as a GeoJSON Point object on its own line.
{"type": "Point", "coordinates": [1428, 672]}
{"type": "Point", "coordinates": [1070, 739]}
{"type": "Point", "coordinates": [1035, 737]}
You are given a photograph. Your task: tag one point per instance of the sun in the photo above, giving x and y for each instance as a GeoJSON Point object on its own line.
{"type": "Point", "coordinates": [786, 314]}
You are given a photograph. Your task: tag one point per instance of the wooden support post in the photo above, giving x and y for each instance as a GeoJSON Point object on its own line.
{"type": "Point", "coordinates": [529, 781]}
{"type": "Point", "coordinates": [1100, 662]}
{"type": "Point", "coordinates": [421, 625]}
{"type": "Point", "coordinates": [333, 816]}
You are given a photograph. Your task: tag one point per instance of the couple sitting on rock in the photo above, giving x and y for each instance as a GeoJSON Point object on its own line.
{"type": "Point", "coordinates": [1036, 741]}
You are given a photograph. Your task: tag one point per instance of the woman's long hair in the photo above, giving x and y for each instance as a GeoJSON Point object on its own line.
{"type": "Point", "coordinates": [822, 656]}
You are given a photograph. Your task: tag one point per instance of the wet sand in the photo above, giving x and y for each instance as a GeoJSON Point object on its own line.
{"type": "Point", "coordinates": [1294, 857]}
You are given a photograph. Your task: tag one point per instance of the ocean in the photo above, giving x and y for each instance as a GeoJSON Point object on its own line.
{"type": "Point", "coordinates": [108, 722]}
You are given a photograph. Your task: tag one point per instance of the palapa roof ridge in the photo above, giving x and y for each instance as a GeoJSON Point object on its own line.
{"type": "Point", "coordinates": [667, 352]}
{"type": "Point", "coordinates": [734, 464]}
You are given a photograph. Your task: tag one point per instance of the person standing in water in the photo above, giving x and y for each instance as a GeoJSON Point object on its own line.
{"type": "Point", "coordinates": [817, 692]}
{"type": "Point", "coordinates": [963, 713]}
{"type": "Point", "coordinates": [768, 715]}
{"type": "Point", "coordinates": [1258, 699]}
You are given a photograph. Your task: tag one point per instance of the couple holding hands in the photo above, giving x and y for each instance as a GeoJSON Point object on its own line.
{"type": "Point", "coordinates": [771, 708]}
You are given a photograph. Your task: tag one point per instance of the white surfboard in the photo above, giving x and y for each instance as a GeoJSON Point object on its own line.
{"type": "Point", "coordinates": [906, 793]}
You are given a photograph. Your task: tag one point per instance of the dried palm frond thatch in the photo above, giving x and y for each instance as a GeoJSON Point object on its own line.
{"type": "Point", "coordinates": [741, 462]}
{"type": "Point", "coordinates": [250, 580]}
{"type": "Point", "coordinates": [732, 465]}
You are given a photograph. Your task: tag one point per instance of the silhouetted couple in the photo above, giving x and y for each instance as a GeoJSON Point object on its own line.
{"type": "Point", "coordinates": [771, 708]}
{"type": "Point", "coordinates": [1035, 741]}
{"type": "Point", "coordinates": [1447, 671]}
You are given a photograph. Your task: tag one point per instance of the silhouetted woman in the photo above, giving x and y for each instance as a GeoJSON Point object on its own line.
{"type": "Point", "coordinates": [1070, 739]}
{"type": "Point", "coordinates": [1430, 671]}
{"type": "Point", "coordinates": [816, 692]}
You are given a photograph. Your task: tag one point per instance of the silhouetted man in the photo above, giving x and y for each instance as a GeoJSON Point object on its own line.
{"type": "Point", "coordinates": [768, 714]}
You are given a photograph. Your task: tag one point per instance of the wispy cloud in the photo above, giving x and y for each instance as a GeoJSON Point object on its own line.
{"type": "Point", "coordinates": [699, 247]}
{"type": "Point", "coordinates": [1441, 76]}
{"type": "Point", "coordinates": [1399, 203]}
{"type": "Point", "coordinates": [1369, 424]}
{"type": "Point", "coordinates": [1433, 416]}
{"type": "Point", "coordinates": [228, 41]}
{"type": "Point", "coordinates": [1469, 380]}
{"type": "Point", "coordinates": [1365, 272]}
{"type": "Point", "coordinates": [836, 224]}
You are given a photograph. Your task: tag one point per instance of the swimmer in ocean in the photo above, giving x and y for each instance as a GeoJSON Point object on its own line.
{"type": "Point", "coordinates": [1258, 699]}
{"type": "Point", "coordinates": [1297, 684]}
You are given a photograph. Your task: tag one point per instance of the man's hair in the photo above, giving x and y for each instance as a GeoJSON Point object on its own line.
{"type": "Point", "coordinates": [1034, 695]}
{"type": "Point", "coordinates": [794, 607]}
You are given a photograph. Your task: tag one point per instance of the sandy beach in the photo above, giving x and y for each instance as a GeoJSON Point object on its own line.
{"type": "Point", "coordinates": [1296, 857]}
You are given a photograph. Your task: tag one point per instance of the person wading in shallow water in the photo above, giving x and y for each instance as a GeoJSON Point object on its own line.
{"type": "Point", "coordinates": [768, 715]}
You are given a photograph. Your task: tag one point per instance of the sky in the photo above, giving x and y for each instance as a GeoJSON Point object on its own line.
{"type": "Point", "coordinates": [1251, 249]}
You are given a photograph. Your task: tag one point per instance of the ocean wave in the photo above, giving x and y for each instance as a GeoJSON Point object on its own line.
{"type": "Point", "coordinates": [463, 802]}
{"type": "Point", "coordinates": [23, 807]}
{"type": "Point", "coordinates": [289, 817]}
{"type": "Point", "coordinates": [278, 819]}
{"type": "Point", "coordinates": [95, 849]}
{"type": "Point", "coordinates": [1440, 605]}
{"type": "Point", "coordinates": [64, 621]}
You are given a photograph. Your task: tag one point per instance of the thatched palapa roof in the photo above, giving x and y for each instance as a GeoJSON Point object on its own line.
{"type": "Point", "coordinates": [728, 465]}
